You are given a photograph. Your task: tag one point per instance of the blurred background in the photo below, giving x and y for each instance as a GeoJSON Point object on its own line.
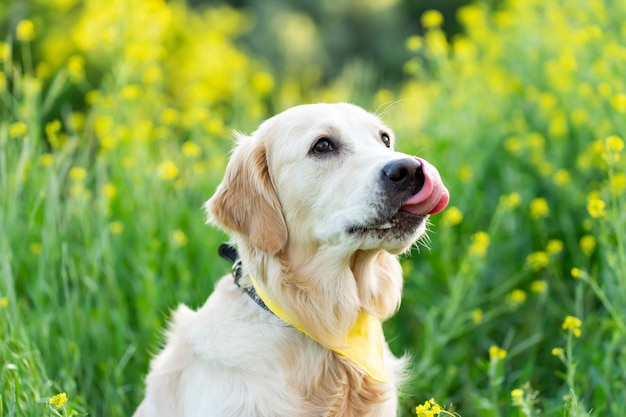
{"type": "Point", "coordinates": [117, 118]}
{"type": "Point", "coordinates": [326, 36]}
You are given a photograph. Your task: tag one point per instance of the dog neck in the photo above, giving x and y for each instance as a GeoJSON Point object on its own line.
{"type": "Point", "coordinates": [337, 301]}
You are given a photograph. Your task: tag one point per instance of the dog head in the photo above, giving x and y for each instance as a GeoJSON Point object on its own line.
{"type": "Point", "coordinates": [326, 174]}
{"type": "Point", "coordinates": [318, 202]}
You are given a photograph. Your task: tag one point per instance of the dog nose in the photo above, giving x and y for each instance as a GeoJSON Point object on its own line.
{"type": "Point", "coordinates": [405, 172]}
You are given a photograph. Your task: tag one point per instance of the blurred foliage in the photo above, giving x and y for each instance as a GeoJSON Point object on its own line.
{"type": "Point", "coordinates": [115, 124]}
{"type": "Point", "coordinates": [321, 37]}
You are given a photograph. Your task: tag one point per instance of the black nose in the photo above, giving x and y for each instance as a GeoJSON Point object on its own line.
{"type": "Point", "coordinates": [405, 172]}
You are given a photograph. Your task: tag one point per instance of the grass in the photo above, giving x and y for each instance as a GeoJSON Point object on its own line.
{"type": "Point", "coordinates": [108, 148]}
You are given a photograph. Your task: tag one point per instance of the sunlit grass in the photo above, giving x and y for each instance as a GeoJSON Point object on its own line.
{"type": "Point", "coordinates": [115, 128]}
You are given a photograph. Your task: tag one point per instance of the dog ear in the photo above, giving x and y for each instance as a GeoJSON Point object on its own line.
{"type": "Point", "coordinates": [246, 201]}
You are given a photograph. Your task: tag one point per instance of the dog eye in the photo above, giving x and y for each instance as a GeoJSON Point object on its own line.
{"type": "Point", "coordinates": [324, 145]}
{"type": "Point", "coordinates": [385, 138]}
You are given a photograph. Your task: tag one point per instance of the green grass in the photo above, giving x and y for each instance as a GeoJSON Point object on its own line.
{"type": "Point", "coordinates": [107, 154]}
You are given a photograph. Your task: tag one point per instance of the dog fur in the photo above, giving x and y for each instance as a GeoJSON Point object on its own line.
{"type": "Point", "coordinates": [308, 226]}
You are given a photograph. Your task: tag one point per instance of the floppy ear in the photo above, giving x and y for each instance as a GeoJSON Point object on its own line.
{"type": "Point", "coordinates": [246, 202]}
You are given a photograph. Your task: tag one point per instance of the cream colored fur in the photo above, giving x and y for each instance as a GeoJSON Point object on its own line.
{"type": "Point", "coordinates": [288, 211]}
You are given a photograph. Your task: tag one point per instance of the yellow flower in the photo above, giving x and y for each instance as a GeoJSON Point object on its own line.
{"type": "Point", "coordinates": [587, 244]}
{"type": "Point", "coordinates": [517, 396]}
{"type": "Point", "coordinates": [76, 67]}
{"type": "Point", "coordinates": [554, 246]}
{"type": "Point", "coordinates": [613, 146]}
{"type": "Point", "coordinates": [619, 103]}
{"type": "Point", "coordinates": [547, 102]}
{"type": "Point", "coordinates": [78, 173]}
{"type": "Point", "coordinates": [214, 126]}
{"type": "Point", "coordinates": [537, 260]}
{"type": "Point", "coordinates": [76, 121]}
{"type": "Point", "coordinates": [52, 130]}
{"type": "Point", "coordinates": [496, 353]}
{"type": "Point", "coordinates": [108, 142]}
{"type": "Point", "coordinates": [191, 149]}
{"type": "Point", "coordinates": [452, 216]}
{"type": "Point", "coordinates": [167, 170]}
{"type": "Point", "coordinates": [3, 81]}
{"type": "Point", "coordinates": [5, 51]}
{"type": "Point", "coordinates": [92, 97]}
{"type": "Point", "coordinates": [429, 409]}
{"type": "Point", "coordinates": [109, 190]}
{"type": "Point", "coordinates": [513, 145]}
{"type": "Point", "coordinates": [480, 244]}
{"type": "Point", "coordinates": [179, 238]}
{"type": "Point", "coordinates": [614, 143]}
{"type": "Point", "coordinates": [562, 177]}
{"type": "Point", "coordinates": [618, 183]}
{"type": "Point", "coordinates": [516, 297]}
{"type": "Point", "coordinates": [464, 48]}
{"type": "Point", "coordinates": [4, 302]}
{"type": "Point", "coordinates": [152, 75]}
{"type": "Point", "coordinates": [131, 92]}
{"type": "Point", "coordinates": [32, 86]}
{"type": "Point", "coordinates": [576, 273]}
{"type": "Point", "coordinates": [262, 83]}
{"type": "Point", "coordinates": [116, 227]}
{"type": "Point", "coordinates": [169, 116]}
{"type": "Point", "coordinates": [573, 324]}
{"type": "Point", "coordinates": [25, 31]}
{"type": "Point", "coordinates": [517, 393]}
{"type": "Point", "coordinates": [535, 139]}
{"type": "Point", "coordinates": [471, 15]}
{"type": "Point", "coordinates": [510, 201]}
{"type": "Point", "coordinates": [17, 129]}
{"type": "Point", "coordinates": [414, 43]}
{"type": "Point", "coordinates": [436, 42]}
{"type": "Point", "coordinates": [539, 208]}
{"type": "Point", "coordinates": [58, 400]}
{"type": "Point", "coordinates": [432, 19]}
{"type": "Point", "coordinates": [477, 315]}
{"type": "Point", "coordinates": [557, 351]}
{"type": "Point", "coordinates": [103, 125]}
{"type": "Point", "coordinates": [539, 286]}
{"type": "Point", "coordinates": [595, 207]}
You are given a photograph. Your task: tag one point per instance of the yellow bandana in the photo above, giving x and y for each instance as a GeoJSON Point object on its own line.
{"type": "Point", "coordinates": [363, 344]}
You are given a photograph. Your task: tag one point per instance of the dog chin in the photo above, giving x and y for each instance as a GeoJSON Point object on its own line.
{"type": "Point", "coordinates": [394, 234]}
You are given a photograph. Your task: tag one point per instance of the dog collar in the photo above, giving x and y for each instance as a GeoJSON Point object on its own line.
{"type": "Point", "coordinates": [230, 253]}
{"type": "Point", "coordinates": [363, 345]}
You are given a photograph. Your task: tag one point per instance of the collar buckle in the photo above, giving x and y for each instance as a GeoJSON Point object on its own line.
{"type": "Point", "coordinates": [229, 252]}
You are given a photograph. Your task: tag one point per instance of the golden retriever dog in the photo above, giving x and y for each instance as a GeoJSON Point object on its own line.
{"type": "Point", "coordinates": [319, 205]}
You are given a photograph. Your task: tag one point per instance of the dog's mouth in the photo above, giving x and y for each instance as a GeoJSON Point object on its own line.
{"type": "Point", "coordinates": [402, 219]}
{"type": "Point", "coordinates": [401, 216]}
{"type": "Point", "coordinates": [401, 223]}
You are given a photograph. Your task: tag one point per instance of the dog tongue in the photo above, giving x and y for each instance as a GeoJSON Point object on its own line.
{"type": "Point", "coordinates": [433, 197]}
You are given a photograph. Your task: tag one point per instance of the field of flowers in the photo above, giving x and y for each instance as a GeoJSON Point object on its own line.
{"type": "Point", "coordinates": [115, 125]}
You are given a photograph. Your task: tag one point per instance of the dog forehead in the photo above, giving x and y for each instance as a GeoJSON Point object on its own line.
{"type": "Point", "coordinates": [338, 111]}
{"type": "Point", "coordinates": [309, 120]}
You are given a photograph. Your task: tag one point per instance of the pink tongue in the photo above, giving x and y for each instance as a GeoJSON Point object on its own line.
{"type": "Point", "coordinates": [433, 197]}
